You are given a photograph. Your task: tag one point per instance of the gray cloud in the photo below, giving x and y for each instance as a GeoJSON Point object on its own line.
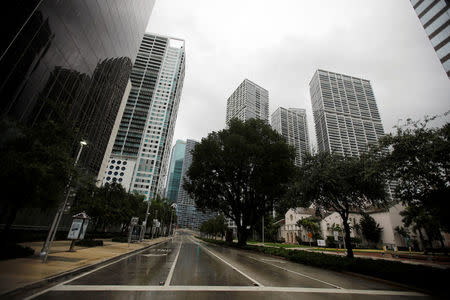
{"type": "Point", "coordinates": [279, 45]}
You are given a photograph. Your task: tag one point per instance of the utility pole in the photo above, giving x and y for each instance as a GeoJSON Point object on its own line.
{"type": "Point", "coordinates": [54, 228]}
{"type": "Point", "coordinates": [174, 206]}
{"type": "Point", "coordinates": [263, 229]}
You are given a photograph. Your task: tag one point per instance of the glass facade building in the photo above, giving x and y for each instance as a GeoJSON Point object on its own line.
{"type": "Point", "coordinates": [70, 61]}
{"type": "Point", "coordinates": [145, 133]}
{"type": "Point", "coordinates": [435, 18]}
{"type": "Point", "coordinates": [291, 124]}
{"type": "Point", "coordinates": [248, 101]}
{"type": "Point", "coordinates": [188, 216]}
{"type": "Point", "coordinates": [175, 169]}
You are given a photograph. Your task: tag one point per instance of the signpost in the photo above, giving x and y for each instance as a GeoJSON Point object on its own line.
{"type": "Point", "coordinates": [134, 221]}
{"type": "Point", "coordinates": [321, 243]}
{"type": "Point", "coordinates": [78, 229]}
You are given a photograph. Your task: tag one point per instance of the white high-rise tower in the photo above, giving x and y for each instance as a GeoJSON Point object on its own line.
{"type": "Point", "coordinates": [345, 113]}
{"type": "Point", "coordinates": [248, 101]}
{"type": "Point", "coordinates": [141, 150]}
{"type": "Point", "coordinates": [291, 124]}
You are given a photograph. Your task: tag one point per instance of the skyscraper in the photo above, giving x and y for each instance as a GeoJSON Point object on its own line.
{"type": "Point", "coordinates": [175, 169]}
{"type": "Point", "coordinates": [291, 124]}
{"type": "Point", "coordinates": [187, 214]}
{"type": "Point", "coordinates": [435, 19]}
{"type": "Point", "coordinates": [69, 62]}
{"type": "Point", "coordinates": [145, 133]}
{"type": "Point", "coordinates": [248, 101]}
{"type": "Point", "coordinates": [345, 113]}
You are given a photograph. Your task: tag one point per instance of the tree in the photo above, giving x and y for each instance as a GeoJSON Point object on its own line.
{"type": "Point", "coordinates": [241, 172]}
{"type": "Point", "coordinates": [311, 225]}
{"type": "Point", "coordinates": [108, 205]}
{"type": "Point", "coordinates": [370, 229]}
{"type": "Point", "coordinates": [214, 226]}
{"type": "Point", "coordinates": [331, 182]}
{"type": "Point", "coordinates": [160, 209]}
{"type": "Point", "coordinates": [36, 166]}
{"type": "Point", "coordinates": [421, 222]}
{"type": "Point", "coordinates": [419, 161]}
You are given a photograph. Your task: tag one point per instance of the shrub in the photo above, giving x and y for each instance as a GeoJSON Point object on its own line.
{"type": "Point", "coordinates": [89, 243]}
{"type": "Point", "coordinates": [11, 250]}
{"type": "Point", "coordinates": [120, 239]}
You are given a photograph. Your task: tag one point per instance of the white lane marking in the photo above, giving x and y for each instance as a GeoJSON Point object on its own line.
{"type": "Point", "coordinates": [89, 272]}
{"type": "Point", "coordinates": [274, 260]}
{"type": "Point", "coordinates": [227, 263]}
{"type": "Point", "coordinates": [150, 255]}
{"type": "Point", "coordinates": [184, 288]}
{"type": "Point", "coordinates": [297, 273]}
{"type": "Point", "coordinates": [169, 277]}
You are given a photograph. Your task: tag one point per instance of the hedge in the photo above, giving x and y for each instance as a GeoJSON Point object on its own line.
{"type": "Point", "coordinates": [419, 276]}
{"type": "Point", "coordinates": [89, 243]}
{"type": "Point", "coordinates": [11, 250]}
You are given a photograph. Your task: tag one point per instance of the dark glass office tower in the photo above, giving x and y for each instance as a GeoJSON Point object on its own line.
{"type": "Point", "coordinates": [70, 61]}
{"type": "Point", "coordinates": [175, 169]}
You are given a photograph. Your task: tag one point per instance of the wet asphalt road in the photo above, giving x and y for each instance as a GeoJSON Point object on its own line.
{"type": "Point", "coordinates": [185, 268]}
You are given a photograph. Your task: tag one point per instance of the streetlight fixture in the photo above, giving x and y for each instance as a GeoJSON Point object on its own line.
{"type": "Point", "coordinates": [54, 228]}
{"type": "Point", "coordinates": [174, 206]}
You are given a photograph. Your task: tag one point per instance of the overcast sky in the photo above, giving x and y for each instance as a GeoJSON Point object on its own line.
{"type": "Point", "coordinates": [280, 44]}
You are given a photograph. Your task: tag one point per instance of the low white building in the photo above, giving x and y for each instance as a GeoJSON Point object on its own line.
{"type": "Point", "coordinates": [291, 230]}
{"type": "Point", "coordinates": [388, 219]}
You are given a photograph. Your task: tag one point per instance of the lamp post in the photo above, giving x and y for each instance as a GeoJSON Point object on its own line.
{"type": "Point", "coordinates": [54, 228]}
{"type": "Point", "coordinates": [174, 206]}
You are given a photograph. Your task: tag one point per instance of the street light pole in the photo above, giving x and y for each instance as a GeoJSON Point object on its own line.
{"type": "Point", "coordinates": [174, 206]}
{"type": "Point", "coordinates": [263, 229]}
{"type": "Point", "coordinates": [54, 228]}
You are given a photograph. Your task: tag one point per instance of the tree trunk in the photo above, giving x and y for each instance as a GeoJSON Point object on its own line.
{"type": "Point", "coordinates": [348, 242]}
{"type": "Point", "coordinates": [421, 238]}
{"type": "Point", "coordinates": [242, 235]}
{"type": "Point", "coordinates": [11, 216]}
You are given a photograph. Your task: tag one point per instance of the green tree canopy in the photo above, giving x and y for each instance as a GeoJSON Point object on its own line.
{"type": "Point", "coordinates": [108, 205]}
{"type": "Point", "coordinates": [419, 161]}
{"type": "Point", "coordinates": [331, 182]}
{"type": "Point", "coordinates": [370, 229]}
{"type": "Point", "coordinates": [36, 166]}
{"type": "Point", "coordinates": [311, 224]}
{"type": "Point", "coordinates": [214, 226]}
{"type": "Point", "coordinates": [241, 172]}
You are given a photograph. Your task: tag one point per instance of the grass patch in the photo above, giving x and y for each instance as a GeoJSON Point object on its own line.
{"type": "Point", "coordinates": [424, 277]}
{"type": "Point", "coordinates": [280, 245]}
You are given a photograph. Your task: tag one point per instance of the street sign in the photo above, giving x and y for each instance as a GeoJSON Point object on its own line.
{"type": "Point", "coordinates": [309, 234]}
{"type": "Point", "coordinates": [75, 229]}
{"type": "Point", "coordinates": [134, 221]}
{"type": "Point", "coordinates": [83, 229]}
{"type": "Point", "coordinates": [321, 243]}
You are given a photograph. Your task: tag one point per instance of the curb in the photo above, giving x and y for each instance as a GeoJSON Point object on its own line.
{"type": "Point", "coordinates": [54, 279]}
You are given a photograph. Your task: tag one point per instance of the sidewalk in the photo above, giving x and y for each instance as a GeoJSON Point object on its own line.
{"type": "Point", "coordinates": [441, 265]}
{"type": "Point", "coordinates": [20, 272]}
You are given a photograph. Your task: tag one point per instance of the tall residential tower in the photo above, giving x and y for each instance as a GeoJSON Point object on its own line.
{"type": "Point", "coordinates": [141, 148]}
{"type": "Point", "coordinates": [435, 18]}
{"type": "Point", "coordinates": [291, 124]}
{"type": "Point", "coordinates": [345, 113]}
{"type": "Point", "coordinates": [248, 101]}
